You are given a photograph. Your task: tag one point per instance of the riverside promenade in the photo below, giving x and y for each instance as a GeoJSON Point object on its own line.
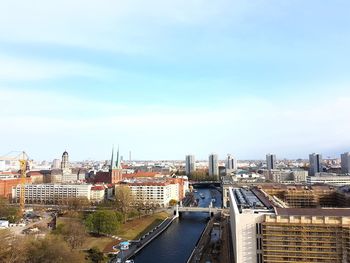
{"type": "Point", "coordinates": [137, 245]}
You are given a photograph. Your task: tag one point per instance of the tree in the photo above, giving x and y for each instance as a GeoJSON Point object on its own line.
{"type": "Point", "coordinates": [103, 221]}
{"type": "Point", "coordinates": [51, 249]}
{"type": "Point", "coordinates": [77, 203]}
{"type": "Point", "coordinates": [95, 255]}
{"type": "Point", "coordinates": [173, 202]}
{"type": "Point", "coordinates": [12, 248]}
{"type": "Point", "coordinates": [73, 232]}
{"type": "Point", "coordinates": [123, 200]}
{"type": "Point", "coordinates": [8, 212]}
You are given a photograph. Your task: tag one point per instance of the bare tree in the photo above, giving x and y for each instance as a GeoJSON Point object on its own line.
{"type": "Point", "coordinates": [77, 203]}
{"type": "Point", "coordinates": [123, 200]}
{"type": "Point", "coordinates": [74, 233]}
{"type": "Point", "coordinates": [51, 250]}
{"type": "Point", "coordinates": [11, 248]}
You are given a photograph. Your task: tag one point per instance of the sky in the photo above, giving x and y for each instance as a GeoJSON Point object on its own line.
{"type": "Point", "coordinates": [163, 79]}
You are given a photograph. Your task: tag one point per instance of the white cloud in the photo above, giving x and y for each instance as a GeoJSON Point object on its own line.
{"type": "Point", "coordinates": [249, 127]}
{"type": "Point", "coordinates": [22, 69]}
{"type": "Point", "coordinates": [121, 26]}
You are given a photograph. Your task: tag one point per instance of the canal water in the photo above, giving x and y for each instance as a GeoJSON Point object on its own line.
{"type": "Point", "coordinates": [175, 244]}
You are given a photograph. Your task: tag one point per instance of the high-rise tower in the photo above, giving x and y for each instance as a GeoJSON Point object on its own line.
{"type": "Point", "coordinates": [271, 161]}
{"type": "Point", "coordinates": [315, 163]}
{"type": "Point", "coordinates": [345, 163]}
{"type": "Point", "coordinates": [213, 165]}
{"type": "Point", "coordinates": [231, 163]}
{"type": "Point", "coordinates": [190, 164]}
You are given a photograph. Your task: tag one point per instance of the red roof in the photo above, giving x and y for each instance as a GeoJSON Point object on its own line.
{"type": "Point", "coordinates": [97, 188]}
{"type": "Point", "coordinates": [11, 172]}
{"type": "Point", "coordinates": [150, 183]}
{"type": "Point", "coordinates": [140, 174]}
{"type": "Point", "coordinates": [35, 173]}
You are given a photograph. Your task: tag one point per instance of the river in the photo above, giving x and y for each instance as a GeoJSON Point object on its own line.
{"type": "Point", "coordinates": [175, 244]}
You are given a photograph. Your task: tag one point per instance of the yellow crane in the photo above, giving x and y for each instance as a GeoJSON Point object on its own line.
{"type": "Point", "coordinates": [23, 159]}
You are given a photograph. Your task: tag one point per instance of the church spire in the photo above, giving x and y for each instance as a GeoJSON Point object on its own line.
{"type": "Point", "coordinates": [115, 163]}
{"type": "Point", "coordinates": [112, 159]}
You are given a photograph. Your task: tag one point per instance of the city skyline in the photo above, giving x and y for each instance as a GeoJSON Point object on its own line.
{"type": "Point", "coordinates": [166, 79]}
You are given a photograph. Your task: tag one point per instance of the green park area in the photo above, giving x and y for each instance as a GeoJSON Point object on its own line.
{"type": "Point", "coordinates": [136, 228]}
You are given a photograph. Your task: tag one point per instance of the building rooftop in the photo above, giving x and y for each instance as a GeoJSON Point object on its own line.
{"type": "Point", "coordinates": [246, 199]}
{"type": "Point", "coordinates": [312, 211]}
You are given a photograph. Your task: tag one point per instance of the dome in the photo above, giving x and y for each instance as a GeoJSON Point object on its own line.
{"type": "Point", "coordinates": [64, 153]}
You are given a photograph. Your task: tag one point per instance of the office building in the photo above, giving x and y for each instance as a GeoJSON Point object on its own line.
{"type": "Point", "coordinates": [345, 163]}
{"type": "Point", "coordinates": [213, 165]}
{"type": "Point", "coordinates": [328, 178]}
{"type": "Point", "coordinates": [279, 223]}
{"type": "Point", "coordinates": [190, 164]}
{"type": "Point", "coordinates": [315, 163]}
{"type": "Point", "coordinates": [231, 164]}
{"type": "Point", "coordinates": [270, 161]}
{"type": "Point", "coordinates": [246, 215]}
{"type": "Point", "coordinates": [286, 176]}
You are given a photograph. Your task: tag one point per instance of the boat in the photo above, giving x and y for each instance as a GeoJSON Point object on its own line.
{"type": "Point", "coordinates": [201, 195]}
{"type": "Point", "coordinates": [213, 200]}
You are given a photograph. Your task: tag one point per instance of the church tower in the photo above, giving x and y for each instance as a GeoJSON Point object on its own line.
{"type": "Point", "coordinates": [65, 161]}
{"type": "Point", "coordinates": [116, 171]}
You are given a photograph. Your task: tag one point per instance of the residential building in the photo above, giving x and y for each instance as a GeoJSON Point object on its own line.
{"type": "Point", "coordinates": [213, 165]}
{"type": "Point", "coordinates": [315, 160]}
{"type": "Point", "coordinates": [98, 193]}
{"type": "Point", "coordinates": [51, 193]}
{"type": "Point", "coordinates": [270, 161]}
{"type": "Point", "coordinates": [183, 184]}
{"type": "Point", "coordinates": [345, 163]}
{"type": "Point", "coordinates": [158, 193]}
{"type": "Point", "coordinates": [190, 164]}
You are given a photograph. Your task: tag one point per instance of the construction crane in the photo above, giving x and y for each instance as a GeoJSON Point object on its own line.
{"type": "Point", "coordinates": [23, 159]}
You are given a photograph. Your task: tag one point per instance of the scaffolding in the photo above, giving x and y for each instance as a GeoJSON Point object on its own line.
{"type": "Point", "coordinates": [285, 242]}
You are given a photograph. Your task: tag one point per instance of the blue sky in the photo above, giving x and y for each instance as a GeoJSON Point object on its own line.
{"type": "Point", "coordinates": [167, 78]}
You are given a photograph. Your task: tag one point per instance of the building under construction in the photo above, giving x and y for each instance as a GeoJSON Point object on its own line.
{"type": "Point", "coordinates": [279, 224]}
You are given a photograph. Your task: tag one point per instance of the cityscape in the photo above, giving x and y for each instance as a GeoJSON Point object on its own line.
{"type": "Point", "coordinates": [252, 210]}
{"type": "Point", "coordinates": [174, 131]}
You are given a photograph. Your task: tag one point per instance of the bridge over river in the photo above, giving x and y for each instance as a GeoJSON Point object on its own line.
{"type": "Point", "coordinates": [195, 209]}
